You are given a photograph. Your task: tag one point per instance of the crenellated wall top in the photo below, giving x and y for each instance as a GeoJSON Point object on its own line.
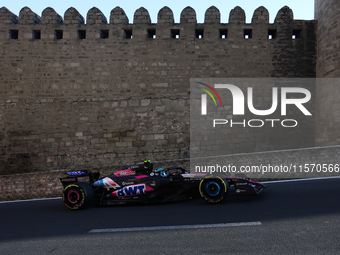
{"type": "Point", "coordinates": [141, 16]}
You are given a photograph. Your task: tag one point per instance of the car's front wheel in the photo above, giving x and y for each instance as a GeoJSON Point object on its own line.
{"type": "Point", "coordinates": [78, 195]}
{"type": "Point", "coordinates": [213, 189]}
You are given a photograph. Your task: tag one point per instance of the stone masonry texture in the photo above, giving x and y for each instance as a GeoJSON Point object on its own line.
{"type": "Point", "coordinates": [91, 92]}
{"type": "Point", "coordinates": [328, 62]}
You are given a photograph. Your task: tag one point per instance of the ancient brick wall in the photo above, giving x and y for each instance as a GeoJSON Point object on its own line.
{"type": "Point", "coordinates": [98, 93]}
{"type": "Point", "coordinates": [327, 14]}
{"type": "Point", "coordinates": [107, 92]}
{"type": "Point", "coordinates": [328, 59]}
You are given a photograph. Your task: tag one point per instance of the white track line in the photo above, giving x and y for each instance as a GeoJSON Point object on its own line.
{"type": "Point", "coordinates": [30, 200]}
{"type": "Point", "coordinates": [300, 180]}
{"type": "Point", "coordinates": [220, 225]}
{"type": "Point", "coordinates": [278, 181]}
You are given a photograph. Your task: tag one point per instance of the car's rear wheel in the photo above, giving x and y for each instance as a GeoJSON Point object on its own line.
{"type": "Point", "coordinates": [213, 189]}
{"type": "Point", "coordinates": [78, 195]}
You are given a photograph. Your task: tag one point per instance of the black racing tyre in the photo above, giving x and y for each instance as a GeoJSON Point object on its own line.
{"type": "Point", "coordinates": [213, 189]}
{"type": "Point", "coordinates": [78, 195]}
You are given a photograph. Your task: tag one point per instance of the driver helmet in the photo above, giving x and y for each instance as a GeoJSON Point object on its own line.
{"type": "Point", "coordinates": [162, 172]}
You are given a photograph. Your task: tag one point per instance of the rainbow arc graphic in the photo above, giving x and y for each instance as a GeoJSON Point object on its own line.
{"type": "Point", "coordinates": [204, 97]}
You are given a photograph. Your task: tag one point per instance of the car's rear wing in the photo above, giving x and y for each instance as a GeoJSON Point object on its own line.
{"type": "Point", "coordinates": [83, 176]}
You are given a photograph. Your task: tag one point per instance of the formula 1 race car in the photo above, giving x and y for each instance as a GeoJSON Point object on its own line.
{"type": "Point", "coordinates": [140, 183]}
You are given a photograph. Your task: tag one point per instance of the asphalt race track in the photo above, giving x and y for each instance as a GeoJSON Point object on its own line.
{"type": "Point", "coordinates": [287, 218]}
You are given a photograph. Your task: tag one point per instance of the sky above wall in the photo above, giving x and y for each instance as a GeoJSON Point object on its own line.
{"type": "Point", "coordinates": [302, 9]}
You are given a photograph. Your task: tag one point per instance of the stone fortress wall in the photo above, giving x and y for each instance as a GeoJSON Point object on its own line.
{"type": "Point", "coordinates": [95, 93]}
{"type": "Point", "coordinates": [328, 66]}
